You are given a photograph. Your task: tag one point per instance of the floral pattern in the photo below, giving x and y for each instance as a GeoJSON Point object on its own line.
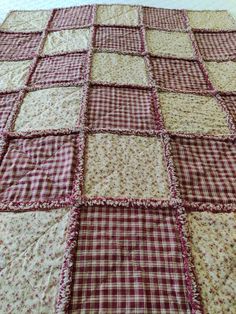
{"type": "Point", "coordinates": [31, 261]}
{"type": "Point", "coordinates": [125, 166]}
{"type": "Point", "coordinates": [117, 68]}
{"type": "Point", "coordinates": [213, 247]}
{"type": "Point", "coordinates": [193, 114]}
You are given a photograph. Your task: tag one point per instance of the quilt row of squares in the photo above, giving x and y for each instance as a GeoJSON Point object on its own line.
{"type": "Point", "coordinates": [117, 166]}
{"type": "Point", "coordinates": [168, 73]}
{"type": "Point", "coordinates": [133, 258]}
{"type": "Point", "coordinates": [114, 247]}
{"type": "Point", "coordinates": [212, 45]}
{"type": "Point", "coordinates": [118, 15]}
{"type": "Point", "coordinates": [119, 108]}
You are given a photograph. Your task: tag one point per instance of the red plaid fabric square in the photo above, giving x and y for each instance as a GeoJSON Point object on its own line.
{"type": "Point", "coordinates": [180, 75]}
{"type": "Point", "coordinates": [164, 18]}
{"type": "Point", "coordinates": [120, 108]}
{"type": "Point", "coordinates": [38, 169]}
{"type": "Point", "coordinates": [229, 101]}
{"type": "Point", "coordinates": [7, 101]}
{"type": "Point", "coordinates": [217, 45]}
{"type": "Point", "coordinates": [118, 38]}
{"type": "Point", "coordinates": [206, 169]}
{"type": "Point", "coordinates": [128, 261]}
{"type": "Point", "coordinates": [18, 46]}
{"type": "Point", "coordinates": [72, 17]}
{"type": "Point", "coordinates": [59, 69]}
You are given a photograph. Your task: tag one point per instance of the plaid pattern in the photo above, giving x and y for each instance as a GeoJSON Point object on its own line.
{"type": "Point", "coordinates": [128, 261]}
{"type": "Point", "coordinates": [72, 17]}
{"type": "Point", "coordinates": [206, 169]}
{"type": "Point", "coordinates": [37, 169]}
{"type": "Point", "coordinates": [217, 45]}
{"type": "Point", "coordinates": [18, 46]}
{"type": "Point", "coordinates": [6, 103]}
{"type": "Point", "coordinates": [120, 108]}
{"type": "Point", "coordinates": [59, 69]}
{"type": "Point", "coordinates": [118, 38]}
{"type": "Point", "coordinates": [176, 74]}
{"type": "Point", "coordinates": [164, 18]}
{"type": "Point", "coordinates": [230, 103]}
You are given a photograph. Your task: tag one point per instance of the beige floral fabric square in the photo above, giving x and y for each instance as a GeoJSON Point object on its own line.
{"type": "Point", "coordinates": [26, 21]}
{"type": "Point", "coordinates": [222, 75]}
{"type": "Point", "coordinates": [211, 20]}
{"type": "Point", "coordinates": [125, 166]}
{"type": "Point", "coordinates": [117, 68]}
{"type": "Point", "coordinates": [117, 15]}
{"type": "Point", "coordinates": [52, 108]}
{"type": "Point", "coordinates": [213, 238]}
{"type": "Point", "coordinates": [13, 74]}
{"type": "Point", "coordinates": [164, 43]}
{"type": "Point", "coordinates": [67, 41]}
{"type": "Point", "coordinates": [193, 113]}
{"type": "Point", "coordinates": [31, 261]}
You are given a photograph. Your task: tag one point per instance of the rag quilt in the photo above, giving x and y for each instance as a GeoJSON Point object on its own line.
{"type": "Point", "coordinates": [117, 161]}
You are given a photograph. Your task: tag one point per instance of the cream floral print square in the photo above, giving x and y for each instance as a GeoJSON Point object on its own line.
{"type": "Point", "coordinates": [26, 21]}
{"type": "Point", "coordinates": [117, 68]}
{"type": "Point", "coordinates": [13, 74]}
{"type": "Point", "coordinates": [125, 166]}
{"type": "Point", "coordinates": [193, 114]}
{"type": "Point", "coordinates": [117, 15]}
{"type": "Point", "coordinates": [52, 108]}
{"type": "Point", "coordinates": [222, 75]}
{"type": "Point", "coordinates": [67, 41]}
{"type": "Point", "coordinates": [31, 260]}
{"type": "Point", "coordinates": [212, 239]}
{"type": "Point", "coordinates": [164, 43]}
{"type": "Point", "coordinates": [211, 20]}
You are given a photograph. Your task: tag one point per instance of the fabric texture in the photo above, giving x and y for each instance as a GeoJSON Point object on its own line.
{"type": "Point", "coordinates": [120, 108]}
{"type": "Point", "coordinates": [117, 161]}
{"type": "Point", "coordinates": [128, 261]}
{"type": "Point", "coordinates": [17, 46]}
{"type": "Point", "coordinates": [216, 45]}
{"type": "Point", "coordinates": [31, 261]}
{"type": "Point", "coordinates": [120, 38]}
{"type": "Point", "coordinates": [176, 74]}
{"type": "Point", "coordinates": [117, 68]}
{"type": "Point", "coordinates": [38, 168]}
{"type": "Point", "coordinates": [7, 101]}
{"type": "Point", "coordinates": [53, 108]}
{"type": "Point", "coordinates": [206, 169]}
{"type": "Point", "coordinates": [193, 114]}
{"type": "Point", "coordinates": [59, 69]}
{"type": "Point", "coordinates": [212, 239]}
{"type": "Point", "coordinates": [164, 18]}
{"type": "Point", "coordinates": [67, 41]}
{"type": "Point", "coordinates": [119, 166]}
{"type": "Point", "coordinates": [169, 43]}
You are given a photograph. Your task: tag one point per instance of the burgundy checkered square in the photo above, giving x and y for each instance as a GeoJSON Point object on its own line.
{"type": "Point", "coordinates": [7, 101]}
{"type": "Point", "coordinates": [38, 169]}
{"type": "Point", "coordinates": [18, 46]}
{"type": "Point", "coordinates": [206, 169]}
{"type": "Point", "coordinates": [180, 75]}
{"type": "Point", "coordinates": [217, 45]}
{"type": "Point", "coordinates": [164, 18]}
{"type": "Point", "coordinates": [120, 108]}
{"type": "Point", "coordinates": [128, 261]}
{"type": "Point", "coordinates": [72, 17]}
{"type": "Point", "coordinates": [59, 69]}
{"type": "Point", "coordinates": [229, 101]}
{"type": "Point", "coordinates": [118, 38]}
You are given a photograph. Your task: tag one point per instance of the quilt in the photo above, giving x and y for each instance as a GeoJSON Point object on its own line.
{"type": "Point", "coordinates": [117, 161]}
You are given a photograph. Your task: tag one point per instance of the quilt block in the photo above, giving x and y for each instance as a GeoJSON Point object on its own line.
{"type": "Point", "coordinates": [117, 161]}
